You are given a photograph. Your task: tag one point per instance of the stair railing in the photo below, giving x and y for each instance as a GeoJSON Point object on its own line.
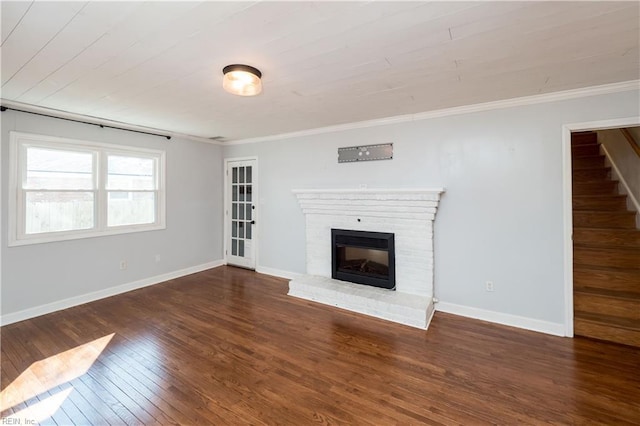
{"type": "Point", "coordinates": [632, 141]}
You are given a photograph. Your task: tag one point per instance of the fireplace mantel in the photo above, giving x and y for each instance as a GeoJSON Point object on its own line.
{"type": "Point", "coordinates": [407, 213]}
{"type": "Point", "coordinates": [419, 204]}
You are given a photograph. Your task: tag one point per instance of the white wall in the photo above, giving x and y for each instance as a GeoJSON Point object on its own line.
{"type": "Point", "coordinates": [500, 219]}
{"type": "Point", "coordinates": [624, 157]}
{"type": "Point", "coordinates": [41, 274]}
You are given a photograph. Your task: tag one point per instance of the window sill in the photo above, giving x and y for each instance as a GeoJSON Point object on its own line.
{"type": "Point", "coordinates": [77, 235]}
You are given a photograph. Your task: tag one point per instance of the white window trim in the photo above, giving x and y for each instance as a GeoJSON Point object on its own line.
{"type": "Point", "coordinates": [17, 237]}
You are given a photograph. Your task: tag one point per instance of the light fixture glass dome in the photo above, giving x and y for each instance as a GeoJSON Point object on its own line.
{"type": "Point", "coordinates": [242, 80]}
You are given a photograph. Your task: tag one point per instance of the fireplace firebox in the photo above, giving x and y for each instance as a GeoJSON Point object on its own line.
{"type": "Point", "coordinates": [363, 258]}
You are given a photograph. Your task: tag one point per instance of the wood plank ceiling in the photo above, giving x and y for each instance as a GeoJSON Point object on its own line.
{"type": "Point", "coordinates": [159, 64]}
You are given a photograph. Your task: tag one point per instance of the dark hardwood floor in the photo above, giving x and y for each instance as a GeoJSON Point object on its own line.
{"type": "Point", "coordinates": [227, 346]}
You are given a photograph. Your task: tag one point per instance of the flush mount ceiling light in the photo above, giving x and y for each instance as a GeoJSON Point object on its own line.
{"type": "Point", "coordinates": [242, 80]}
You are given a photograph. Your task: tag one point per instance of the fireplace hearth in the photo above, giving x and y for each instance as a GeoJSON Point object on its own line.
{"type": "Point", "coordinates": [363, 257]}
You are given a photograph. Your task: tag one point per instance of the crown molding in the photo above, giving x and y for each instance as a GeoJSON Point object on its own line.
{"type": "Point", "coordinates": [56, 113]}
{"type": "Point", "coordinates": [446, 112]}
{"type": "Point", "coordinates": [466, 109]}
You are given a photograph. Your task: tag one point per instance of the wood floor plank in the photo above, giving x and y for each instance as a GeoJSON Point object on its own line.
{"type": "Point", "coordinates": [62, 416]}
{"type": "Point", "coordinates": [228, 346]}
{"type": "Point", "coordinates": [139, 390]}
{"type": "Point", "coordinates": [9, 373]}
{"type": "Point", "coordinates": [93, 391]}
{"type": "Point", "coordinates": [92, 396]}
{"type": "Point", "coordinates": [73, 413]}
{"type": "Point", "coordinates": [171, 403]}
{"type": "Point", "coordinates": [103, 377]}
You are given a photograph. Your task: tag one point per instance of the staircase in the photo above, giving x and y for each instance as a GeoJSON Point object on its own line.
{"type": "Point", "coordinates": [606, 250]}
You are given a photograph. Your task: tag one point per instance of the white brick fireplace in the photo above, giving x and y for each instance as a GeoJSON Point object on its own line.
{"type": "Point", "coordinates": [408, 214]}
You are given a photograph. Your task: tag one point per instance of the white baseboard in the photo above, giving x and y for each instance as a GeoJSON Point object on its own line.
{"type": "Point", "coordinates": [101, 294]}
{"type": "Point", "coordinates": [277, 272]}
{"type": "Point", "coordinates": [557, 329]}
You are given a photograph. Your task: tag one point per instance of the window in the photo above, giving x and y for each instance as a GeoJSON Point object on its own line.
{"type": "Point", "coordinates": [65, 189]}
{"type": "Point", "coordinates": [131, 185]}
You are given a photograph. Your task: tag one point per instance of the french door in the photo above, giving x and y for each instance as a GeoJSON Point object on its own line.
{"type": "Point", "coordinates": [240, 213]}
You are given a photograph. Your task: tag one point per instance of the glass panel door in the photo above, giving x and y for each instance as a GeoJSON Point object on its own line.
{"type": "Point", "coordinates": [241, 214]}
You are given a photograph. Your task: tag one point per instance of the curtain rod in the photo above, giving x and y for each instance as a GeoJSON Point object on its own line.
{"type": "Point", "coordinates": [4, 108]}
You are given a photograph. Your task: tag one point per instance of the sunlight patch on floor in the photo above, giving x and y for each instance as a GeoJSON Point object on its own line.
{"type": "Point", "coordinates": [53, 371]}
{"type": "Point", "coordinates": [39, 411]}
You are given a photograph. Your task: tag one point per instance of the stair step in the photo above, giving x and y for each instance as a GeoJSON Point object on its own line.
{"type": "Point", "coordinates": [600, 202]}
{"type": "Point", "coordinates": [623, 258]}
{"type": "Point", "coordinates": [595, 188]}
{"type": "Point", "coordinates": [590, 277]}
{"type": "Point", "coordinates": [608, 302]}
{"type": "Point", "coordinates": [606, 237]}
{"type": "Point", "coordinates": [596, 173]}
{"type": "Point", "coordinates": [606, 328]}
{"type": "Point", "coordinates": [578, 138]}
{"type": "Point", "coordinates": [587, 162]}
{"type": "Point", "coordinates": [585, 150]}
{"type": "Point", "coordinates": [606, 219]}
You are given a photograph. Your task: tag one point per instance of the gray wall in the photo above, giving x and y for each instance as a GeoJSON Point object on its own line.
{"type": "Point", "coordinates": [39, 274]}
{"type": "Point", "coordinates": [500, 219]}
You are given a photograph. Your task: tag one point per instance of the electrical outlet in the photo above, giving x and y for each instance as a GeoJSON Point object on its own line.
{"type": "Point", "coordinates": [123, 265]}
{"type": "Point", "coordinates": [488, 286]}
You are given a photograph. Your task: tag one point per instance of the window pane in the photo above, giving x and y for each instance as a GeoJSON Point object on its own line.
{"type": "Point", "coordinates": [248, 179]}
{"type": "Point", "coordinates": [131, 208]}
{"type": "Point", "coordinates": [249, 192]}
{"type": "Point", "coordinates": [241, 248]}
{"type": "Point", "coordinates": [58, 211]}
{"type": "Point", "coordinates": [248, 215]}
{"type": "Point", "coordinates": [241, 173]}
{"type": "Point", "coordinates": [131, 173]}
{"type": "Point", "coordinates": [58, 169]}
{"type": "Point", "coordinates": [248, 231]}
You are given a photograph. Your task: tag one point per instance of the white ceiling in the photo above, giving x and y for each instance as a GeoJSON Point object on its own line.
{"type": "Point", "coordinates": [159, 64]}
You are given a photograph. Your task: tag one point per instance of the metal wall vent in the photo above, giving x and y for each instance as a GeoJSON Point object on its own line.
{"type": "Point", "coordinates": [352, 154]}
